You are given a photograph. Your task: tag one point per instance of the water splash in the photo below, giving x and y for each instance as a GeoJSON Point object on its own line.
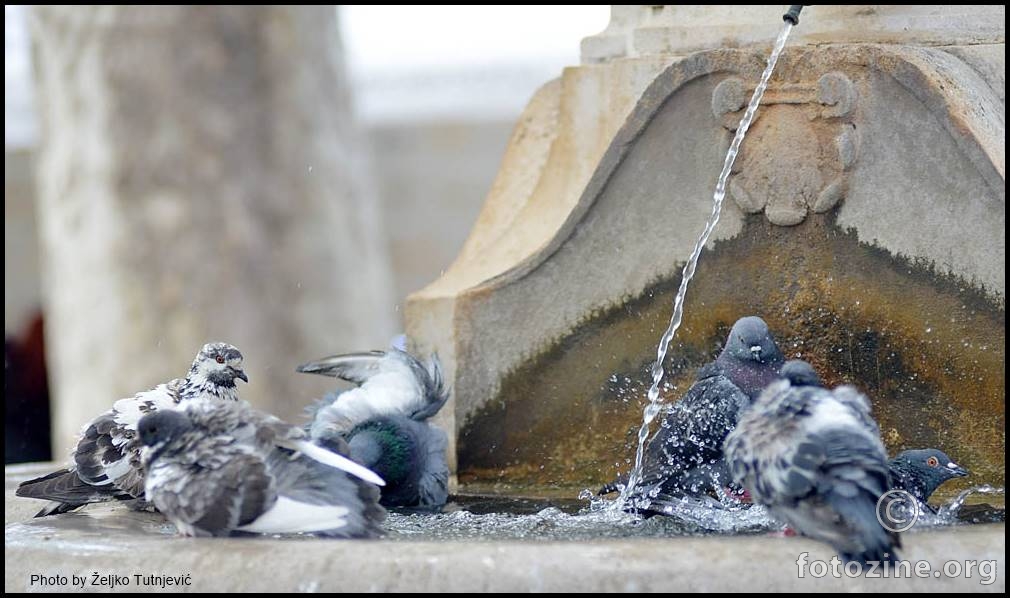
{"type": "Point", "coordinates": [715, 517]}
{"type": "Point", "coordinates": [949, 513]}
{"type": "Point", "coordinates": [654, 405]}
{"type": "Point", "coordinates": [955, 512]}
{"type": "Point", "coordinates": [689, 517]}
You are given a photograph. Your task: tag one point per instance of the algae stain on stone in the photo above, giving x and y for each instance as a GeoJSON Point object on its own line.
{"type": "Point", "coordinates": [928, 349]}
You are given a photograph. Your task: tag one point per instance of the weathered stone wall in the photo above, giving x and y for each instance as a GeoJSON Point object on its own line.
{"type": "Point", "coordinates": [886, 163]}
{"type": "Point", "coordinates": [200, 178]}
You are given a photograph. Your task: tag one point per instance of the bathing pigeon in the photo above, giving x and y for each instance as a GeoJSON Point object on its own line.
{"type": "Point", "coordinates": [106, 463]}
{"type": "Point", "coordinates": [684, 456]}
{"type": "Point", "coordinates": [214, 468]}
{"type": "Point", "coordinates": [921, 472]}
{"type": "Point", "coordinates": [384, 420]}
{"type": "Point", "coordinates": [814, 457]}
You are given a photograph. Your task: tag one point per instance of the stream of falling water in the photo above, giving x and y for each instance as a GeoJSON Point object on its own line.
{"type": "Point", "coordinates": [653, 407]}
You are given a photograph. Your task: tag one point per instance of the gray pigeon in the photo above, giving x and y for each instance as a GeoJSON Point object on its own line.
{"type": "Point", "coordinates": [214, 468]}
{"type": "Point", "coordinates": [920, 472]}
{"type": "Point", "coordinates": [814, 457]}
{"type": "Point", "coordinates": [684, 457]}
{"type": "Point", "coordinates": [384, 420]}
{"type": "Point", "coordinates": [106, 463]}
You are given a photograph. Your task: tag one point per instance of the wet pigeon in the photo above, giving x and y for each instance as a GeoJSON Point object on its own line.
{"type": "Point", "coordinates": [684, 457]}
{"type": "Point", "coordinates": [214, 468]}
{"type": "Point", "coordinates": [384, 421]}
{"type": "Point", "coordinates": [814, 457]}
{"type": "Point", "coordinates": [106, 462]}
{"type": "Point", "coordinates": [921, 472]}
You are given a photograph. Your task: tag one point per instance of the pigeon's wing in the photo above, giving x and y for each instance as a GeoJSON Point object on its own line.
{"type": "Point", "coordinates": [692, 434]}
{"type": "Point", "coordinates": [353, 367]}
{"type": "Point", "coordinates": [758, 448]}
{"type": "Point", "coordinates": [836, 480]}
{"type": "Point", "coordinates": [68, 492]}
{"type": "Point", "coordinates": [108, 453]}
{"type": "Point", "coordinates": [262, 433]}
{"type": "Point", "coordinates": [389, 383]}
{"type": "Point", "coordinates": [314, 497]}
{"type": "Point", "coordinates": [768, 451]}
{"type": "Point", "coordinates": [841, 452]}
{"type": "Point", "coordinates": [841, 462]}
{"type": "Point", "coordinates": [106, 461]}
{"type": "Point", "coordinates": [222, 491]}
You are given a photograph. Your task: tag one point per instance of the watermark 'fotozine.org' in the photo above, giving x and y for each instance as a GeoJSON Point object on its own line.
{"type": "Point", "coordinates": [985, 571]}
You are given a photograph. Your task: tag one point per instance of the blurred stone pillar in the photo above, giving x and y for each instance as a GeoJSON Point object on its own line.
{"type": "Point", "coordinates": [200, 178]}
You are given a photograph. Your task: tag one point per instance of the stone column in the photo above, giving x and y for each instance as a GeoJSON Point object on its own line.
{"type": "Point", "coordinates": [200, 178]}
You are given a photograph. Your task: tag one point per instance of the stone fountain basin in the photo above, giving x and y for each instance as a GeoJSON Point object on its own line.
{"type": "Point", "coordinates": [116, 541]}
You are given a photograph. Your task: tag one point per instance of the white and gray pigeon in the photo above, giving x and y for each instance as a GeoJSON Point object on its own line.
{"type": "Point", "coordinates": [214, 468]}
{"type": "Point", "coordinates": [813, 456]}
{"type": "Point", "coordinates": [105, 465]}
{"type": "Point", "coordinates": [384, 420]}
{"type": "Point", "coordinates": [685, 455]}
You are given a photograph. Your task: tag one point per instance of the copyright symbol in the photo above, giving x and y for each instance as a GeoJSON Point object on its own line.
{"type": "Point", "coordinates": [897, 510]}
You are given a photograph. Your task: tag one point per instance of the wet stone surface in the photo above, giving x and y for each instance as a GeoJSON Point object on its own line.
{"type": "Point", "coordinates": [479, 544]}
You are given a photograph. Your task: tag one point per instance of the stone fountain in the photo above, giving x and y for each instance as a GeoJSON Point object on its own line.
{"type": "Point", "coordinates": [866, 226]}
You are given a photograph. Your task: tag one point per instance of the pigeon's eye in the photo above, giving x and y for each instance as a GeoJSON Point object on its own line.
{"type": "Point", "coordinates": [219, 359]}
{"type": "Point", "coordinates": [932, 462]}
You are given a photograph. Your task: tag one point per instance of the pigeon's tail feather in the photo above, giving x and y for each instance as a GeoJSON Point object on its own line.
{"type": "Point", "coordinates": [57, 508]}
{"type": "Point", "coordinates": [333, 460]}
{"type": "Point", "coordinates": [68, 492]}
{"type": "Point", "coordinates": [436, 393]}
{"type": "Point", "coordinates": [870, 541]}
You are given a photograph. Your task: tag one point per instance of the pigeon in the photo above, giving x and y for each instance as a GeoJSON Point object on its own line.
{"type": "Point", "coordinates": [384, 420]}
{"type": "Point", "coordinates": [921, 472]}
{"type": "Point", "coordinates": [215, 467]}
{"type": "Point", "coordinates": [105, 465]}
{"type": "Point", "coordinates": [684, 457]}
{"type": "Point", "coordinates": [814, 458]}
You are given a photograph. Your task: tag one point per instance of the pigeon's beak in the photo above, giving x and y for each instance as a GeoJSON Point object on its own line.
{"type": "Point", "coordinates": [956, 470]}
{"type": "Point", "coordinates": [755, 352]}
{"type": "Point", "coordinates": [241, 376]}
